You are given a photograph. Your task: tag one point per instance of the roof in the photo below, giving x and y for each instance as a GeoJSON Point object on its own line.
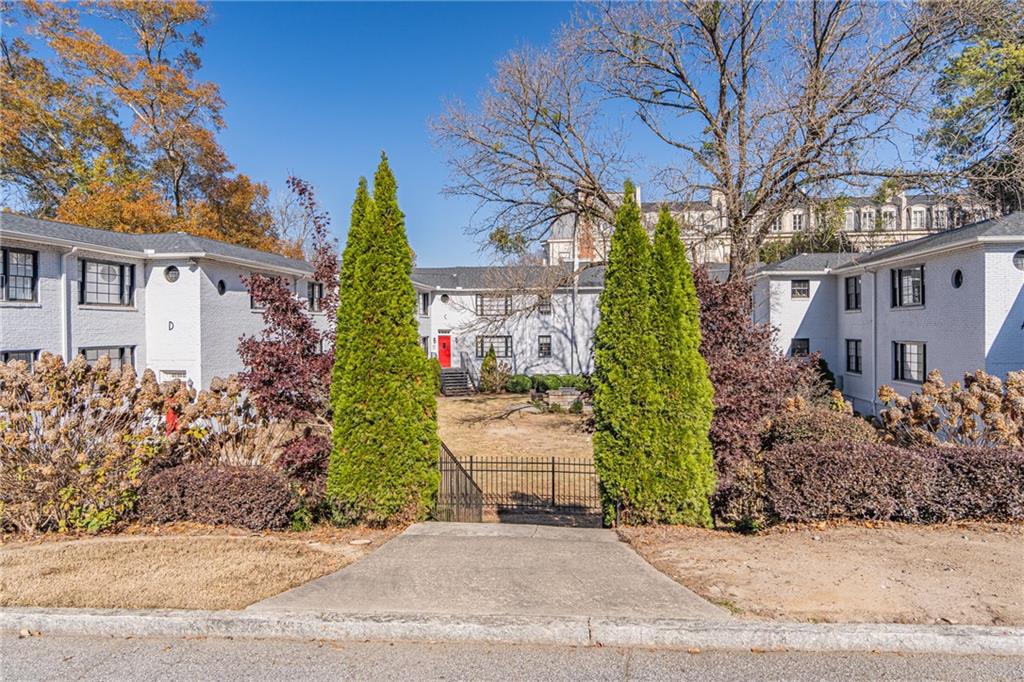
{"type": "Point", "coordinates": [1004, 228]}
{"type": "Point", "coordinates": [808, 262]}
{"type": "Point", "coordinates": [509, 277]}
{"type": "Point", "coordinates": [149, 245]}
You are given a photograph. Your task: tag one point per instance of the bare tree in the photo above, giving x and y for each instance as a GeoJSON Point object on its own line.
{"type": "Point", "coordinates": [764, 103]}
{"type": "Point", "coordinates": [537, 151]}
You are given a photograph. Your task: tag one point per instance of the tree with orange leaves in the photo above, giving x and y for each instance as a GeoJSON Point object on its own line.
{"type": "Point", "coordinates": [170, 172]}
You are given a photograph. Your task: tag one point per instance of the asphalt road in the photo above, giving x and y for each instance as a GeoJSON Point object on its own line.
{"type": "Point", "coordinates": [52, 657]}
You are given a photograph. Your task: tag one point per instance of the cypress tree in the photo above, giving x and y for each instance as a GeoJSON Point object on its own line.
{"type": "Point", "coordinates": [383, 465]}
{"type": "Point", "coordinates": [349, 298]}
{"type": "Point", "coordinates": [627, 409]}
{"type": "Point", "coordinates": [686, 478]}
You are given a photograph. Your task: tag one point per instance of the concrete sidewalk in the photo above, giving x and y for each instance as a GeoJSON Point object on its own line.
{"type": "Point", "coordinates": [471, 569]}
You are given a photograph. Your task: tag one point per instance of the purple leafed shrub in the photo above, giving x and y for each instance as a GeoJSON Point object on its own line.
{"type": "Point", "coordinates": [812, 482]}
{"type": "Point", "coordinates": [249, 497]}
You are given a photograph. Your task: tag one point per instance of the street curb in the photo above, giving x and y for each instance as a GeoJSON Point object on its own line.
{"type": "Point", "coordinates": [551, 630]}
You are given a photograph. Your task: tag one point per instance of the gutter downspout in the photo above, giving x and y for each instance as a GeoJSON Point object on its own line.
{"type": "Point", "coordinates": [65, 305]}
{"type": "Point", "coordinates": [874, 343]}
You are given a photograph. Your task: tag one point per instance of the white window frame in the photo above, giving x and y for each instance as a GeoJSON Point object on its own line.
{"type": "Point", "coordinates": [794, 284]}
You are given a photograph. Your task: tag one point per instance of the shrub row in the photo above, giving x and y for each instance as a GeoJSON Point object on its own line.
{"type": "Point", "coordinates": [523, 383]}
{"type": "Point", "coordinates": [250, 497]}
{"type": "Point", "coordinates": [842, 480]}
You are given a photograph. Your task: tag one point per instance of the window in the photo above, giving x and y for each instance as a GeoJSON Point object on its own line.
{"type": "Point", "coordinates": [939, 218]}
{"type": "Point", "coordinates": [867, 219]}
{"type": "Point", "coordinates": [424, 304]}
{"type": "Point", "coordinates": [18, 275]}
{"type": "Point", "coordinates": [544, 346]}
{"type": "Point", "coordinates": [222, 287]}
{"type": "Point", "coordinates": [28, 356]}
{"type": "Point", "coordinates": [908, 287]}
{"type": "Point", "coordinates": [800, 288]}
{"type": "Point", "coordinates": [502, 346]}
{"type": "Point", "coordinates": [493, 305]}
{"type": "Point", "coordinates": [853, 293]}
{"type": "Point", "coordinates": [853, 357]}
{"type": "Point", "coordinates": [908, 361]}
{"type": "Point", "coordinates": [777, 224]}
{"type": "Point", "coordinates": [172, 273]}
{"type": "Point", "coordinates": [958, 279]}
{"type": "Point", "coordinates": [253, 303]}
{"type": "Point", "coordinates": [800, 347]}
{"type": "Point", "coordinates": [315, 294]}
{"type": "Point", "coordinates": [1018, 260]}
{"type": "Point", "coordinates": [917, 219]}
{"type": "Point", "coordinates": [173, 375]}
{"type": "Point", "coordinates": [798, 222]}
{"type": "Point", "coordinates": [849, 221]}
{"type": "Point", "coordinates": [544, 305]}
{"type": "Point", "coordinates": [106, 283]}
{"type": "Point", "coordinates": [119, 355]}
{"type": "Point", "coordinates": [888, 219]}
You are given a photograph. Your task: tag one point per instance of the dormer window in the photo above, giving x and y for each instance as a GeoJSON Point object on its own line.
{"type": "Point", "coordinates": [544, 305]}
{"type": "Point", "coordinates": [798, 222]}
{"type": "Point", "coordinates": [105, 283]}
{"type": "Point", "coordinates": [918, 221]}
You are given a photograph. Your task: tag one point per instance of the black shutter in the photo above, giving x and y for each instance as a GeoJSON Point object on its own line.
{"type": "Point", "coordinates": [127, 284]}
{"type": "Point", "coordinates": [3, 275]}
{"type": "Point", "coordinates": [922, 285]}
{"type": "Point", "coordinates": [895, 277]}
{"type": "Point", "coordinates": [35, 273]}
{"type": "Point", "coordinates": [81, 281]}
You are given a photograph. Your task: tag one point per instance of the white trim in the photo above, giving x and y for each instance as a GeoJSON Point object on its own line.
{"type": "Point", "coordinates": [148, 254]}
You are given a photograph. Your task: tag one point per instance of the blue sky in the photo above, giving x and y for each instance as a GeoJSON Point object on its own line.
{"type": "Point", "coordinates": [319, 89]}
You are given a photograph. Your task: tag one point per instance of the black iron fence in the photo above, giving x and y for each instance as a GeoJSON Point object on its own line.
{"type": "Point", "coordinates": [459, 498]}
{"type": "Point", "coordinates": [560, 484]}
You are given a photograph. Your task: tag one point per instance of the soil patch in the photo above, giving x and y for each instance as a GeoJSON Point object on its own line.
{"type": "Point", "coordinates": [964, 573]}
{"type": "Point", "coordinates": [198, 568]}
{"type": "Point", "coordinates": [487, 426]}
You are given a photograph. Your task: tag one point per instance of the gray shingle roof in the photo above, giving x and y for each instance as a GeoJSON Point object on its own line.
{"type": "Point", "coordinates": [1004, 226]}
{"type": "Point", "coordinates": [160, 242]}
{"type": "Point", "coordinates": [809, 262]}
{"type": "Point", "coordinates": [508, 277]}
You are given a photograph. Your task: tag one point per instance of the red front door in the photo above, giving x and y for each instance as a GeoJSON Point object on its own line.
{"type": "Point", "coordinates": [444, 350]}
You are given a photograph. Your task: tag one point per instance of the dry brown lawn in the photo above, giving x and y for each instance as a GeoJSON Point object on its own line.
{"type": "Point", "coordinates": [964, 573]}
{"type": "Point", "coordinates": [186, 568]}
{"type": "Point", "coordinates": [479, 426]}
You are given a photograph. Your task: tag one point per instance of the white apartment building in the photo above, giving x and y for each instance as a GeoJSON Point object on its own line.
{"type": "Point", "coordinates": [868, 225]}
{"type": "Point", "coordinates": [952, 301]}
{"type": "Point", "coordinates": [171, 302]}
{"type": "Point", "coordinates": [539, 319]}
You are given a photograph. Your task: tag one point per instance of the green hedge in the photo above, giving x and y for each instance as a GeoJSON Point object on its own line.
{"type": "Point", "coordinates": [519, 383]}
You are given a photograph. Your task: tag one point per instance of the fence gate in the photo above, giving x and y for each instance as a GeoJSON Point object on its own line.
{"type": "Point", "coordinates": [516, 485]}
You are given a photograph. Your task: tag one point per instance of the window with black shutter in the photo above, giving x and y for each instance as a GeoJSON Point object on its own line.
{"type": "Point", "coordinates": [105, 283]}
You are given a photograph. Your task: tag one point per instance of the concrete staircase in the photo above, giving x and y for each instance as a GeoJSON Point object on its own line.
{"type": "Point", "coordinates": [455, 381]}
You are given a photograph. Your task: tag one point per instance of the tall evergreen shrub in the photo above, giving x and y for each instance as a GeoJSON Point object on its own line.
{"type": "Point", "coordinates": [383, 464]}
{"type": "Point", "coordinates": [349, 294]}
{"type": "Point", "coordinates": [687, 468]}
{"type": "Point", "coordinates": [627, 403]}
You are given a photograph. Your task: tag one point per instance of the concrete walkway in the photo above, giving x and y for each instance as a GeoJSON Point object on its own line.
{"type": "Point", "coordinates": [499, 569]}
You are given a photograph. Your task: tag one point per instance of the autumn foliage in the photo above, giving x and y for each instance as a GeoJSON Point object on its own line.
{"type": "Point", "coordinates": [121, 133]}
{"type": "Point", "coordinates": [982, 410]}
{"type": "Point", "coordinates": [752, 382]}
